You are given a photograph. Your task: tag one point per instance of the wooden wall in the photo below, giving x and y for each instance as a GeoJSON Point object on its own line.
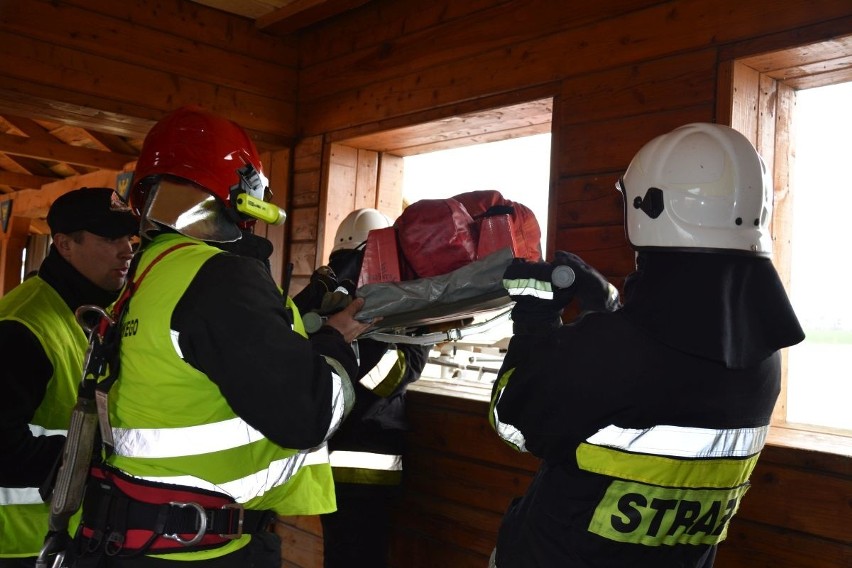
{"type": "Point", "coordinates": [620, 73]}
{"type": "Point", "coordinates": [121, 66]}
{"type": "Point", "coordinates": [460, 478]}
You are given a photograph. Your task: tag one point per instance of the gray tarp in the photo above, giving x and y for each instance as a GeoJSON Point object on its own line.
{"type": "Point", "coordinates": [461, 294]}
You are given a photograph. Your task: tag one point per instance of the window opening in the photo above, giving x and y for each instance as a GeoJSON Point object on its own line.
{"type": "Point", "coordinates": [519, 169]}
{"type": "Point", "coordinates": [818, 380]}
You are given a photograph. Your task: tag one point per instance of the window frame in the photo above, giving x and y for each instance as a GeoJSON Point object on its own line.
{"type": "Point", "coordinates": [757, 96]}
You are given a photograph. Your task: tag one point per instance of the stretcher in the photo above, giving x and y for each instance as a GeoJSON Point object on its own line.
{"type": "Point", "coordinates": [426, 311]}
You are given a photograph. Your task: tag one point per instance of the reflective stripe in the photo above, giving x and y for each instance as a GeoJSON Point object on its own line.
{"type": "Point", "coordinates": [506, 431]}
{"type": "Point", "coordinates": [246, 488]}
{"type": "Point", "coordinates": [20, 496]}
{"type": "Point", "coordinates": [42, 431]}
{"type": "Point", "coordinates": [337, 403]}
{"type": "Point", "coordinates": [317, 456]}
{"type": "Point", "coordinates": [366, 460]}
{"type": "Point", "coordinates": [683, 442]}
{"type": "Point", "coordinates": [188, 441]}
{"type": "Point", "coordinates": [529, 287]}
{"type": "Point", "coordinates": [378, 373]}
{"type": "Point", "coordinates": [175, 337]}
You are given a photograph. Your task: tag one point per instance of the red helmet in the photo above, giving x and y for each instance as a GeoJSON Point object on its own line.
{"type": "Point", "coordinates": [210, 152]}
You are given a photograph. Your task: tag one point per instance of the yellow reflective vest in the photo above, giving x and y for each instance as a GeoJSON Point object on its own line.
{"type": "Point", "coordinates": [34, 303]}
{"type": "Point", "coordinates": [171, 424]}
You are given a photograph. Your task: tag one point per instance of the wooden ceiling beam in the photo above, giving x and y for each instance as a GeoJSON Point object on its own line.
{"type": "Point", "coordinates": [57, 152]}
{"type": "Point", "coordinates": [24, 181]}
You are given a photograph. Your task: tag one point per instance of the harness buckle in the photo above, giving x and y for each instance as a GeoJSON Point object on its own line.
{"type": "Point", "coordinates": [241, 515]}
{"type": "Point", "coordinates": [202, 524]}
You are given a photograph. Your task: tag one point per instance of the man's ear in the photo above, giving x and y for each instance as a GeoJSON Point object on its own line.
{"type": "Point", "coordinates": [62, 242]}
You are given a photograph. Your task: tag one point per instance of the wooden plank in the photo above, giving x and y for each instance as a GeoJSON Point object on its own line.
{"type": "Point", "coordinates": [199, 23]}
{"type": "Point", "coordinates": [386, 22]}
{"type": "Point", "coordinates": [754, 545]}
{"type": "Point", "coordinates": [472, 436]}
{"type": "Point", "coordinates": [541, 59]}
{"type": "Point", "coordinates": [23, 181]}
{"type": "Point", "coordinates": [488, 125]}
{"type": "Point", "coordinates": [306, 188]}
{"type": "Point", "coordinates": [26, 146]}
{"type": "Point", "coordinates": [681, 80]}
{"type": "Point", "coordinates": [453, 34]}
{"type": "Point", "coordinates": [303, 224]}
{"type": "Point", "coordinates": [451, 524]}
{"type": "Point", "coordinates": [366, 180]}
{"type": "Point", "coordinates": [584, 201]}
{"type": "Point", "coordinates": [604, 247]}
{"type": "Point", "coordinates": [811, 512]}
{"type": "Point", "coordinates": [467, 482]}
{"type": "Point", "coordinates": [63, 25]}
{"type": "Point", "coordinates": [298, 547]}
{"type": "Point", "coordinates": [40, 66]}
{"type": "Point", "coordinates": [411, 549]}
{"type": "Point", "coordinates": [391, 169]}
{"type": "Point", "coordinates": [277, 169]}
{"type": "Point", "coordinates": [610, 145]}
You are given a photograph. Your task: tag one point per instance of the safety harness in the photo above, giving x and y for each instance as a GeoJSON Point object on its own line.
{"type": "Point", "coordinates": [125, 516]}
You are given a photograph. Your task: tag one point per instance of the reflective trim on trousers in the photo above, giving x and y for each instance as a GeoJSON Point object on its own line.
{"type": "Point", "coordinates": [365, 460]}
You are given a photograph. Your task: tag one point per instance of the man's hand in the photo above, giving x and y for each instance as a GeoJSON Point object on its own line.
{"type": "Point", "coordinates": [344, 321]}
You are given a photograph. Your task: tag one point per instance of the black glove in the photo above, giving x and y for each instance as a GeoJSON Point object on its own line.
{"type": "Point", "coordinates": [593, 292]}
{"type": "Point", "coordinates": [311, 298]}
{"type": "Point", "coordinates": [538, 303]}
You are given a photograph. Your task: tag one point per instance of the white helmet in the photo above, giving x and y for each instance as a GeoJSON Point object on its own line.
{"type": "Point", "coordinates": [355, 227]}
{"type": "Point", "coordinates": [701, 186]}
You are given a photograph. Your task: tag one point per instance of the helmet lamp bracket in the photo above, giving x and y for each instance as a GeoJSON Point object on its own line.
{"type": "Point", "coordinates": [652, 203]}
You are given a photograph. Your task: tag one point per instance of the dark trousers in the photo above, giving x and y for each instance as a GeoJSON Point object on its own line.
{"type": "Point", "coordinates": [357, 534]}
{"type": "Point", "coordinates": [18, 562]}
{"type": "Point", "coordinates": [264, 551]}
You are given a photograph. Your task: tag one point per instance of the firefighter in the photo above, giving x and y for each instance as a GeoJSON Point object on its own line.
{"type": "Point", "coordinates": [366, 452]}
{"type": "Point", "coordinates": [220, 409]}
{"type": "Point", "coordinates": [87, 263]}
{"type": "Point", "coordinates": [649, 419]}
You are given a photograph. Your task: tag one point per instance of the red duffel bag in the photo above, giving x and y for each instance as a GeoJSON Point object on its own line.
{"type": "Point", "coordinates": [436, 236]}
{"type": "Point", "coordinates": [524, 227]}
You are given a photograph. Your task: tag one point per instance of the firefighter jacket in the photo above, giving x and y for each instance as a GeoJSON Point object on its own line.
{"type": "Point", "coordinates": [217, 392]}
{"type": "Point", "coordinates": [646, 451]}
{"type": "Point", "coordinates": [368, 447]}
{"type": "Point", "coordinates": [648, 420]}
{"type": "Point", "coordinates": [44, 348]}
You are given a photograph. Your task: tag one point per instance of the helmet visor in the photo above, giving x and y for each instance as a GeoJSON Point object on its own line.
{"type": "Point", "coordinates": [190, 210]}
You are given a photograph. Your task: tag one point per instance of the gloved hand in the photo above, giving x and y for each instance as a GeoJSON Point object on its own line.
{"type": "Point", "coordinates": [592, 291]}
{"type": "Point", "coordinates": [311, 298]}
{"type": "Point", "coordinates": [538, 303]}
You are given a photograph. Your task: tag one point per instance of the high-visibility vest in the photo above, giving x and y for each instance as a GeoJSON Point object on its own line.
{"type": "Point", "coordinates": [34, 303]}
{"type": "Point", "coordinates": [171, 424]}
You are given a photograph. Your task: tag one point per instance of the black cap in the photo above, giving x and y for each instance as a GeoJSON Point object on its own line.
{"type": "Point", "coordinates": [98, 210]}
